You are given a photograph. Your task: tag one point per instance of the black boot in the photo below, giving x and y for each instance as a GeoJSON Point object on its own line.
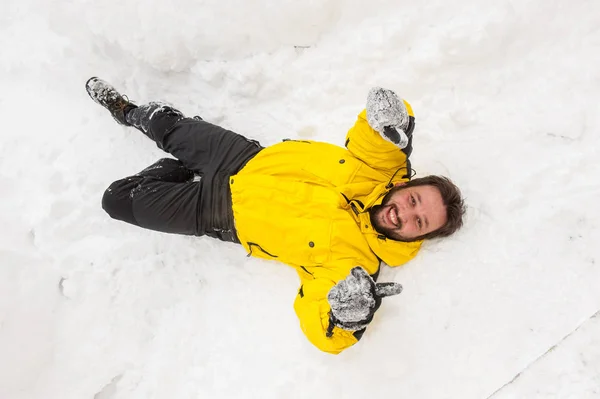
{"type": "Point", "coordinates": [107, 96]}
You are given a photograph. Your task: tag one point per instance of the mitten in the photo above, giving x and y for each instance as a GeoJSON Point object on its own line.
{"type": "Point", "coordinates": [355, 299]}
{"type": "Point", "coordinates": [387, 114]}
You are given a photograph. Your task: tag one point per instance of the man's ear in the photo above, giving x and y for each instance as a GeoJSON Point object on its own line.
{"type": "Point", "coordinates": [402, 183]}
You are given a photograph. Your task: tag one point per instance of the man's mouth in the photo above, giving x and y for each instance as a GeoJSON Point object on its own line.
{"type": "Point", "coordinates": [392, 217]}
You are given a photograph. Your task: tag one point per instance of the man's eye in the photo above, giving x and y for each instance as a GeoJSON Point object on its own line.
{"type": "Point", "coordinates": [419, 224]}
{"type": "Point", "coordinates": [412, 200]}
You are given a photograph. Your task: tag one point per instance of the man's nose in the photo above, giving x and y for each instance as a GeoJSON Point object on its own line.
{"type": "Point", "coordinates": [405, 216]}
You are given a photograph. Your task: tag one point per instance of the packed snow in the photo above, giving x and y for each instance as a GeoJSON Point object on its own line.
{"type": "Point", "coordinates": [506, 97]}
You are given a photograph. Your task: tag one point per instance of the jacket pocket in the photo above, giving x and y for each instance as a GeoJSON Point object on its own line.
{"type": "Point", "coordinates": [252, 246]}
{"type": "Point", "coordinates": [317, 244]}
{"type": "Point", "coordinates": [333, 168]}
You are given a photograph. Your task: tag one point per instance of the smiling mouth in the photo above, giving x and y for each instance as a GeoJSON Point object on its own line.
{"type": "Point", "coordinates": [392, 217]}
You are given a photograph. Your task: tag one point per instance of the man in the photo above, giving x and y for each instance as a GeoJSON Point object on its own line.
{"type": "Point", "coordinates": [332, 213]}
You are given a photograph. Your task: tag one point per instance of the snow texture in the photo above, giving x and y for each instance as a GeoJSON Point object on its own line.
{"type": "Point", "coordinates": [141, 116]}
{"type": "Point", "coordinates": [108, 97]}
{"type": "Point", "coordinates": [570, 369]}
{"type": "Point", "coordinates": [387, 289]}
{"type": "Point", "coordinates": [505, 95]}
{"type": "Point", "coordinates": [352, 300]}
{"type": "Point", "coordinates": [386, 109]}
{"type": "Point", "coordinates": [102, 92]}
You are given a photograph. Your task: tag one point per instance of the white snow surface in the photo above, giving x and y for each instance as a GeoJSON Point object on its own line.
{"type": "Point", "coordinates": [506, 95]}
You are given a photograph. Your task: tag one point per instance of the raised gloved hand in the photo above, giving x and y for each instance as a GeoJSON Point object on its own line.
{"type": "Point", "coordinates": [355, 299]}
{"type": "Point", "coordinates": [387, 114]}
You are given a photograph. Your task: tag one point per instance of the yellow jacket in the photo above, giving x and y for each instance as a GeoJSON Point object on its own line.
{"type": "Point", "coordinates": [306, 204]}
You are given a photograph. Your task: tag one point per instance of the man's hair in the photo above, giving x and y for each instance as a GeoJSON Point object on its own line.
{"type": "Point", "coordinates": [452, 199]}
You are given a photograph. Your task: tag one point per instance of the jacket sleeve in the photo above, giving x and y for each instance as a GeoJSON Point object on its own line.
{"type": "Point", "coordinates": [312, 309]}
{"type": "Point", "coordinates": [368, 145]}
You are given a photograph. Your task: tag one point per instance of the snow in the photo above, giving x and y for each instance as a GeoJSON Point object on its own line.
{"type": "Point", "coordinates": [567, 370]}
{"type": "Point", "coordinates": [505, 95]}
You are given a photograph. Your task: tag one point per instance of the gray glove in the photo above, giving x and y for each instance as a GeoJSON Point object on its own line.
{"type": "Point", "coordinates": [355, 299]}
{"type": "Point", "coordinates": [387, 114]}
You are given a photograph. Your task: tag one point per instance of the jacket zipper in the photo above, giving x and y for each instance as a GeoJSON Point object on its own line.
{"type": "Point", "coordinates": [352, 205]}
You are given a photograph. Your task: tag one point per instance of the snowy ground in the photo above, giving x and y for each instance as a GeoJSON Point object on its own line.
{"type": "Point", "coordinates": [506, 95]}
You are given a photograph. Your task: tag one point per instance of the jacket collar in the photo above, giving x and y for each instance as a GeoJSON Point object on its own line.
{"type": "Point", "coordinates": [393, 253]}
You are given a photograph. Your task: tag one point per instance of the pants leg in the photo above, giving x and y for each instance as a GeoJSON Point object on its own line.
{"type": "Point", "coordinates": [162, 197]}
{"type": "Point", "coordinates": [200, 145]}
{"type": "Point", "coordinates": [163, 204]}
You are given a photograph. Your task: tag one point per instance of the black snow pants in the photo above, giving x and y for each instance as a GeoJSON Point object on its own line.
{"type": "Point", "coordinates": [188, 195]}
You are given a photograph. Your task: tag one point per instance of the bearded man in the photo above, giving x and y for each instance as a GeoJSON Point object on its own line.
{"type": "Point", "coordinates": [333, 213]}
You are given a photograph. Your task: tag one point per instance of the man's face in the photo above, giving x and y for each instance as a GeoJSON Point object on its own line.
{"type": "Point", "coordinates": [408, 213]}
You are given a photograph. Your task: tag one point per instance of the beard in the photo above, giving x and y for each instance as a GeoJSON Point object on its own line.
{"type": "Point", "coordinates": [376, 211]}
{"type": "Point", "coordinates": [375, 215]}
